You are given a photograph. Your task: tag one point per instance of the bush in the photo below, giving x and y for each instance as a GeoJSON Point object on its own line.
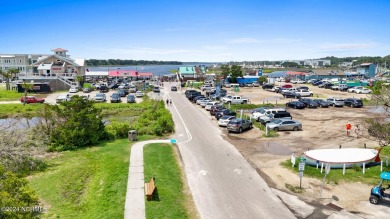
{"type": "Point", "coordinates": [14, 192]}
{"type": "Point", "coordinates": [118, 130]}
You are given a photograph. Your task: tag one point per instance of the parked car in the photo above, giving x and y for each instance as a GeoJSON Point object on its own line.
{"type": "Point", "coordinates": [216, 108]}
{"type": "Point", "coordinates": [73, 90]}
{"type": "Point", "coordinates": [363, 91]}
{"type": "Point", "coordinates": [321, 103]}
{"type": "Point", "coordinates": [256, 84]}
{"type": "Point", "coordinates": [353, 102]}
{"type": "Point", "coordinates": [32, 99]}
{"type": "Point", "coordinates": [353, 89]}
{"type": "Point", "coordinates": [209, 105]}
{"type": "Point", "coordinates": [100, 97]}
{"type": "Point", "coordinates": [87, 90]}
{"type": "Point", "coordinates": [284, 125]}
{"type": "Point", "coordinates": [103, 89]}
{"type": "Point", "coordinates": [173, 88]}
{"type": "Point", "coordinates": [197, 98]}
{"type": "Point", "coordinates": [116, 98]}
{"type": "Point", "coordinates": [63, 97]}
{"type": "Point", "coordinates": [328, 85]}
{"type": "Point", "coordinates": [113, 86]}
{"type": "Point", "coordinates": [239, 125]}
{"type": "Point", "coordinates": [204, 102]}
{"type": "Point", "coordinates": [139, 94]}
{"type": "Point", "coordinates": [249, 85]}
{"type": "Point", "coordinates": [336, 101]}
{"type": "Point", "coordinates": [266, 111]}
{"type": "Point", "coordinates": [133, 89]}
{"type": "Point", "coordinates": [224, 112]}
{"type": "Point", "coordinates": [309, 103]}
{"type": "Point", "coordinates": [156, 89]}
{"type": "Point", "coordinates": [122, 92]}
{"type": "Point", "coordinates": [295, 105]}
{"type": "Point", "coordinates": [130, 98]}
{"type": "Point", "coordinates": [267, 86]}
{"type": "Point", "coordinates": [290, 94]}
{"type": "Point", "coordinates": [224, 120]}
{"type": "Point", "coordinates": [278, 115]}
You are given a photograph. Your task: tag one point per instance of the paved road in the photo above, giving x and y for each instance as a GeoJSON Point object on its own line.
{"type": "Point", "coordinates": [222, 182]}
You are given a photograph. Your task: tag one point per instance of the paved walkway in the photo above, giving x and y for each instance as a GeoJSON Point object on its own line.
{"type": "Point", "coordinates": [135, 195]}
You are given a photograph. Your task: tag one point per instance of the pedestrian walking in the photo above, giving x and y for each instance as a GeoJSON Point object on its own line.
{"type": "Point", "coordinates": [348, 128]}
{"type": "Point", "coordinates": [167, 101]}
{"type": "Point", "coordinates": [357, 131]}
{"type": "Point", "coordinates": [170, 101]}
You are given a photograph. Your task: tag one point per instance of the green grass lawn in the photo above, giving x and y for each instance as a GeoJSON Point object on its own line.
{"type": "Point", "coordinates": [19, 110]}
{"type": "Point", "coordinates": [8, 95]}
{"type": "Point", "coordinates": [86, 183]}
{"type": "Point", "coordinates": [335, 176]}
{"type": "Point", "coordinates": [160, 162]}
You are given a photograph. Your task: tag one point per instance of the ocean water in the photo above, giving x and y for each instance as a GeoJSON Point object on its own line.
{"type": "Point", "coordinates": [155, 69]}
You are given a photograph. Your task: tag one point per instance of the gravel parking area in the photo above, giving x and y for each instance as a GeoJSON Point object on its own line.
{"type": "Point", "coordinates": [322, 128]}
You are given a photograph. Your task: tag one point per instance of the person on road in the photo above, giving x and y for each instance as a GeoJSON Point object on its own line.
{"type": "Point", "coordinates": [170, 101]}
{"type": "Point", "coordinates": [357, 131]}
{"type": "Point", "coordinates": [167, 101]}
{"type": "Point", "coordinates": [348, 127]}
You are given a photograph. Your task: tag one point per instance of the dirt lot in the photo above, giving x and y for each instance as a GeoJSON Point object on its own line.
{"type": "Point", "coordinates": [322, 128]}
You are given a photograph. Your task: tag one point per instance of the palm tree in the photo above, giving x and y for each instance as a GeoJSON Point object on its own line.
{"type": "Point", "coordinates": [26, 87]}
{"type": "Point", "coordinates": [80, 79]}
{"type": "Point", "coordinates": [7, 75]}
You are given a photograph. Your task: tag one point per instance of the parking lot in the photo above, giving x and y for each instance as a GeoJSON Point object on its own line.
{"type": "Point", "coordinates": [322, 128]}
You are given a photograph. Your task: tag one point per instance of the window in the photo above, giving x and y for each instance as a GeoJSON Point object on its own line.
{"type": "Point", "coordinates": [20, 61]}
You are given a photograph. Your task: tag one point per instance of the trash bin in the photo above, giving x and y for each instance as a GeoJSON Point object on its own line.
{"type": "Point", "coordinates": [132, 135]}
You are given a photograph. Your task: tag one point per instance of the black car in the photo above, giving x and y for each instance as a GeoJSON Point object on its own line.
{"type": "Point", "coordinates": [353, 102]}
{"type": "Point", "coordinates": [328, 85]}
{"type": "Point", "coordinates": [225, 112]}
{"type": "Point", "coordinates": [309, 103]}
{"type": "Point", "coordinates": [113, 86]}
{"type": "Point", "coordinates": [215, 109]}
{"type": "Point", "coordinates": [267, 86]}
{"type": "Point", "coordinates": [116, 98]}
{"type": "Point", "coordinates": [122, 92]}
{"type": "Point", "coordinates": [193, 95]}
{"type": "Point", "coordinates": [103, 89]}
{"type": "Point", "coordinates": [290, 94]}
{"type": "Point", "coordinates": [295, 105]}
{"type": "Point", "coordinates": [317, 82]}
{"type": "Point", "coordinates": [131, 98]}
{"type": "Point", "coordinates": [322, 103]}
{"type": "Point", "coordinates": [197, 97]}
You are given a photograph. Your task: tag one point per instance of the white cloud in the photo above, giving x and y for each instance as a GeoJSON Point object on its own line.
{"type": "Point", "coordinates": [253, 40]}
{"type": "Point", "coordinates": [348, 46]}
{"type": "Point", "coordinates": [141, 51]}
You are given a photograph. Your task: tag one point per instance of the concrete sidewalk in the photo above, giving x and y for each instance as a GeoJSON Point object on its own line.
{"type": "Point", "coordinates": [135, 195]}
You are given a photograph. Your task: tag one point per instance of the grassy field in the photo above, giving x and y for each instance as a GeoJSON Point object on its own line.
{"type": "Point", "coordinates": [19, 110]}
{"type": "Point", "coordinates": [160, 162]}
{"type": "Point", "coordinates": [8, 95]}
{"type": "Point", "coordinates": [335, 176]}
{"type": "Point", "coordinates": [86, 183]}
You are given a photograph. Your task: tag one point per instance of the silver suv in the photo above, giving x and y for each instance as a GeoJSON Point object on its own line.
{"type": "Point", "coordinates": [333, 101]}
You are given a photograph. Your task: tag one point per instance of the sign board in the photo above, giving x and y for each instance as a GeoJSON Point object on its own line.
{"type": "Point", "coordinates": [173, 141]}
{"type": "Point", "coordinates": [260, 72]}
{"type": "Point", "coordinates": [292, 159]}
{"type": "Point", "coordinates": [301, 167]}
{"type": "Point", "coordinates": [300, 175]}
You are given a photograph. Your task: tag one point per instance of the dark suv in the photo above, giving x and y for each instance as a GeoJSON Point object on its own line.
{"type": "Point", "coordinates": [225, 112]}
{"type": "Point", "coordinates": [353, 102]}
{"type": "Point", "coordinates": [267, 86]}
{"type": "Point", "coordinates": [103, 89]}
{"type": "Point", "coordinates": [115, 98]}
{"type": "Point", "coordinates": [239, 125]}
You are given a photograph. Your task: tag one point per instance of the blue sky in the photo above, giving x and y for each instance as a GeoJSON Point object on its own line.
{"type": "Point", "coordinates": [197, 30]}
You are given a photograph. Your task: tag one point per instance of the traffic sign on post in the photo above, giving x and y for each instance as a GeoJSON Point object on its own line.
{"type": "Point", "coordinates": [301, 167]}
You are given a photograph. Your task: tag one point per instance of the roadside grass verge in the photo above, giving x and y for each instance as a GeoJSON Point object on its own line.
{"type": "Point", "coordinates": [160, 162]}
{"type": "Point", "coordinates": [9, 95]}
{"type": "Point", "coordinates": [19, 110]}
{"type": "Point", "coordinates": [86, 183]}
{"type": "Point", "coordinates": [335, 176]}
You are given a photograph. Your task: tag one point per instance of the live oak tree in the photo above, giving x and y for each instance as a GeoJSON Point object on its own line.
{"type": "Point", "coordinates": [378, 127]}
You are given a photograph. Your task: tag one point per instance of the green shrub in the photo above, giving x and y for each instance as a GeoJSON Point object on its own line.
{"type": "Point", "coordinates": [118, 130]}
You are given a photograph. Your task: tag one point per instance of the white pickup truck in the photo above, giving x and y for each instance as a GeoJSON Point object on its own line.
{"type": "Point", "coordinates": [63, 97]}
{"type": "Point", "coordinates": [234, 100]}
{"type": "Point", "coordinates": [304, 93]}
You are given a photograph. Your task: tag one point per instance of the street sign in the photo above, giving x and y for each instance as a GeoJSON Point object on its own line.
{"type": "Point", "coordinates": [301, 167]}
{"type": "Point", "coordinates": [300, 175]}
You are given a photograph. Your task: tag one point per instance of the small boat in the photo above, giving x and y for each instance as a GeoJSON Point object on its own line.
{"type": "Point", "coordinates": [338, 157]}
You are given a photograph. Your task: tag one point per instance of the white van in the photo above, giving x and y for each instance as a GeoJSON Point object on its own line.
{"type": "Point", "coordinates": [266, 112]}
